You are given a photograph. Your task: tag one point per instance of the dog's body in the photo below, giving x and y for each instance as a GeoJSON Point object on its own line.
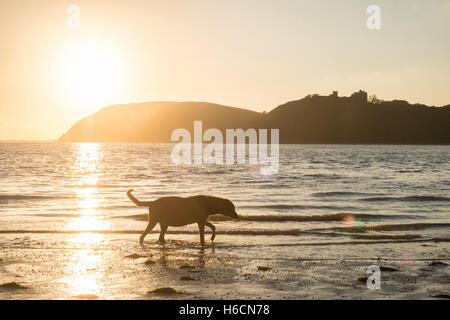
{"type": "Point", "coordinates": [177, 211]}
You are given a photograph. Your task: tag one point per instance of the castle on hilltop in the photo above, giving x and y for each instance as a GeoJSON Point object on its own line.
{"type": "Point", "coordinates": [356, 97]}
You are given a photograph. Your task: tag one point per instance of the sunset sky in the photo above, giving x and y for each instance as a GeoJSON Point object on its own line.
{"type": "Point", "coordinates": [252, 54]}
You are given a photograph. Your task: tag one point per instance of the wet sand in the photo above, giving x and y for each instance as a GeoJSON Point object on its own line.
{"type": "Point", "coordinates": [114, 266]}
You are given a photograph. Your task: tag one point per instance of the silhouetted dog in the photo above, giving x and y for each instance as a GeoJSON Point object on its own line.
{"type": "Point", "coordinates": [177, 211]}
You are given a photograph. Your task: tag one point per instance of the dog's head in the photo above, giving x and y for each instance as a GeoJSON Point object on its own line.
{"type": "Point", "coordinates": [229, 209]}
{"type": "Point", "coordinates": [221, 206]}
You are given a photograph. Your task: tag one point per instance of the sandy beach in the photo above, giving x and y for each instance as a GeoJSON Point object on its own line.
{"type": "Point", "coordinates": [114, 266]}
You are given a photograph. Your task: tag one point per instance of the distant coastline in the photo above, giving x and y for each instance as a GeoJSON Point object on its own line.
{"type": "Point", "coordinates": [314, 119]}
{"type": "Point", "coordinates": [28, 141]}
{"type": "Point", "coordinates": [174, 143]}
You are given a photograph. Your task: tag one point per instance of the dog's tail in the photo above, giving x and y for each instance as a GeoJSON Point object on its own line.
{"type": "Point", "coordinates": [136, 201]}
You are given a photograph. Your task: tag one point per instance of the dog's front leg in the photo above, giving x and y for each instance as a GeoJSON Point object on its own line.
{"type": "Point", "coordinates": [213, 228]}
{"type": "Point", "coordinates": [201, 228]}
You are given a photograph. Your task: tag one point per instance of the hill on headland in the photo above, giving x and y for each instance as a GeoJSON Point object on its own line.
{"type": "Point", "coordinates": [313, 119]}
{"type": "Point", "coordinates": [155, 121]}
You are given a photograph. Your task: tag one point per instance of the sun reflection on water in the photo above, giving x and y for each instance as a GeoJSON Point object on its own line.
{"type": "Point", "coordinates": [86, 173]}
{"type": "Point", "coordinates": [85, 267]}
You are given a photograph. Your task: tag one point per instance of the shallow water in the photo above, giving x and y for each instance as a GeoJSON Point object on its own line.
{"type": "Point", "coordinates": [68, 230]}
{"type": "Point", "coordinates": [321, 192]}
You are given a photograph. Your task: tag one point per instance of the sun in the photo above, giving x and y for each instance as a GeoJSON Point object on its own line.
{"type": "Point", "coordinates": [90, 74]}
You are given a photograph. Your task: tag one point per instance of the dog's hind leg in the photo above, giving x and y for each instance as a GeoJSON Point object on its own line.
{"type": "Point", "coordinates": [213, 228]}
{"type": "Point", "coordinates": [201, 228]}
{"type": "Point", "coordinates": [163, 232]}
{"type": "Point", "coordinates": [150, 226]}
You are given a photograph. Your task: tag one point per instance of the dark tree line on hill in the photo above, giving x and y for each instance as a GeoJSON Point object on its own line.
{"type": "Point", "coordinates": [313, 119]}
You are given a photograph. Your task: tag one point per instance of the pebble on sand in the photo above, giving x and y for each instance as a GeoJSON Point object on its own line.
{"type": "Point", "coordinates": [12, 285]}
{"type": "Point", "coordinates": [363, 278]}
{"type": "Point", "coordinates": [438, 263]}
{"type": "Point", "coordinates": [166, 290]}
{"type": "Point", "coordinates": [388, 268]}
{"type": "Point", "coordinates": [263, 268]}
{"type": "Point", "coordinates": [134, 256]}
{"type": "Point", "coordinates": [149, 261]}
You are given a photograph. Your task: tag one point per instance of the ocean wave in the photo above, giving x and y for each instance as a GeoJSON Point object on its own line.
{"type": "Point", "coordinates": [139, 217]}
{"type": "Point", "coordinates": [407, 199]}
{"type": "Point", "coordinates": [366, 236]}
{"type": "Point", "coordinates": [320, 217]}
{"type": "Point", "coordinates": [65, 215]}
{"type": "Point", "coordinates": [385, 236]}
{"type": "Point", "coordinates": [323, 176]}
{"type": "Point", "coordinates": [291, 232]}
{"type": "Point", "coordinates": [276, 186]}
{"type": "Point", "coordinates": [98, 186]}
{"type": "Point", "coordinates": [391, 227]}
{"type": "Point", "coordinates": [296, 207]}
{"type": "Point", "coordinates": [79, 209]}
{"type": "Point", "coordinates": [7, 197]}
{"type": "Point", "coordinates": [338, 193]}
{"type": "Point", "coordinates": [290, 218]}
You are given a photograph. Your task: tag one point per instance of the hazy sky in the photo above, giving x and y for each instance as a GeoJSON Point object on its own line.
{"type": "Point", "coordinates": [251, 54]}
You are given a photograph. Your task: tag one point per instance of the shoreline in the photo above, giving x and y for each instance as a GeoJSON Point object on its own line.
{"type": "Point", "coordinates": [114, 266]}
{"type": "Point", "coordinates": [174, 143]}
